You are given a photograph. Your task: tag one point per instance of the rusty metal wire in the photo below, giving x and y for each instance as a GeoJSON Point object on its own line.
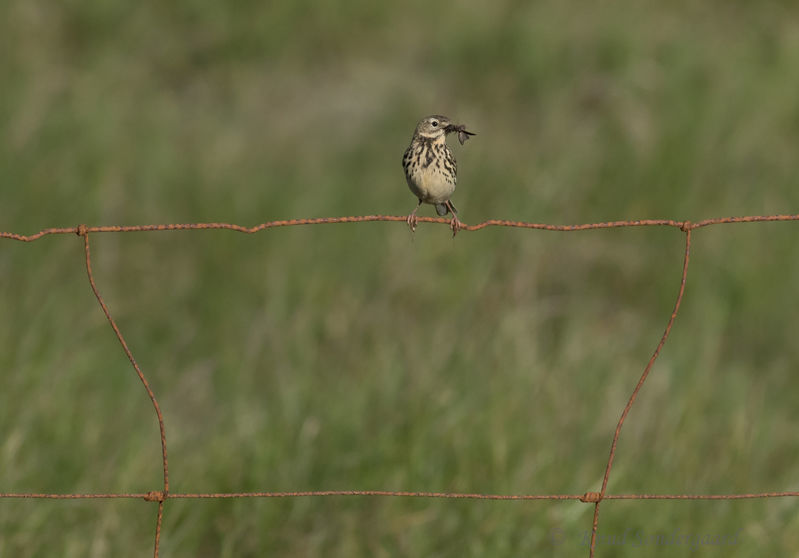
{"type": "Point", "coordinates": [595, 498]}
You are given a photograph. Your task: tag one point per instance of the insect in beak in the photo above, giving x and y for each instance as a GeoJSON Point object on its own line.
{"type": "Point", "coordinates": [463, 135]}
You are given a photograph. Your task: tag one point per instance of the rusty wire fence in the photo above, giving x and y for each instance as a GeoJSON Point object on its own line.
{"type": "Point", "coordinates": [163, 494]}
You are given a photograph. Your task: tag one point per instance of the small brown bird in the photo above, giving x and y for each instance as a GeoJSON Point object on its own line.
{"type": "Point", "coordinates": [430, 167]}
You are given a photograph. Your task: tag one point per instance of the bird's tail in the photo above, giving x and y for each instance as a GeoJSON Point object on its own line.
{"type": "Point", "coordinates": [442, 209]}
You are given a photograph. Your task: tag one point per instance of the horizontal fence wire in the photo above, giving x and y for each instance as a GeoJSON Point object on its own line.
{"type": "Point", "coordinates": [595, 498]}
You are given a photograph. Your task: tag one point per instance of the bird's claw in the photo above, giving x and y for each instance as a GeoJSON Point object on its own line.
{"type": "Point", "coordinates": [455, 225]}
{"type": "Point", "coordinates": [411, 220]}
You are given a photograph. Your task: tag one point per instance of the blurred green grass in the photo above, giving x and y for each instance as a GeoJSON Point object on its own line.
{"type": "Point", "coordinates": [355, 356]}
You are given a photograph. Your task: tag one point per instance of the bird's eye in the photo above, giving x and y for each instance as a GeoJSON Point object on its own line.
{"type": "Point", "coordinates": [434, 123]}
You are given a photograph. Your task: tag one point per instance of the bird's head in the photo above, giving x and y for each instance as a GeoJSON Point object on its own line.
{"type": "Point", "coordinates": [433, 127]}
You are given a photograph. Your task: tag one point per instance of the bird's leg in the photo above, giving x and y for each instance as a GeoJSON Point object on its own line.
{"type": "Point", "coordinates": [412, 217]}
{"type": "Point", "coordinates": [455, 224]}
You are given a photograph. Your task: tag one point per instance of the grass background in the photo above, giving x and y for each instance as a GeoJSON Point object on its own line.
{"type": "Point", "coordinates": [358, 356]}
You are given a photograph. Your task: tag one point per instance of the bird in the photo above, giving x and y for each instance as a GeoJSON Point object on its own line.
{"type": "Point", "coordinates": [430, 167]}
